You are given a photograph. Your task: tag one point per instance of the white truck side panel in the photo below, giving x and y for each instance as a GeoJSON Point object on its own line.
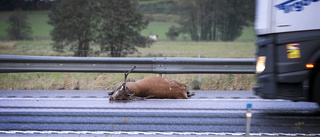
{"type": "Point", "coordinates": [277, 16]}
{"type": "Point", "coordinates": [263, 17]}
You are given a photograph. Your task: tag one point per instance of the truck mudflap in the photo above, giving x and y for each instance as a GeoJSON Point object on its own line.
{"type": "Point", "coordinates": [283, 86]}
{"type": "Point", "coordinates": [266, 86]}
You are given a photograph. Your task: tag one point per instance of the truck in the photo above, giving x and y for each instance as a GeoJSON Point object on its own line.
{"type": "Point", "coordinates": [288, 49]}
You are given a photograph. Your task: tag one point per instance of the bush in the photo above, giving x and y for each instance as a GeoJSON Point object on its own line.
{"type": "Point", "coordinates": [18, 29]}
{"type": "Point", "coordinates": [173, 33]}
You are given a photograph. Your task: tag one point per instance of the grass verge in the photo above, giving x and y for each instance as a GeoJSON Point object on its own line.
{"type": "Point", "coordinates": [159, 25]}
{"type": "Point", "coordinates": [110, 81]}
{"type": "Point", "coordinates": [158, 49]}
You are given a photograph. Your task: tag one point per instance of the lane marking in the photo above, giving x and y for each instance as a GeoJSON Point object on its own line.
{"type": "Point", "coordinates": [97, 99]}
{"type": "Point", "coordinates": [154, 133]}
{"type": "Point", "coordinates": [106, 99]}
{"type": "Point", "coordinates": [227, 99]}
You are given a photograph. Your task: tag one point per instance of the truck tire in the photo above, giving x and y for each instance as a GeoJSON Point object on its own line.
{"type": "Point", "coordinates": [316, 88]}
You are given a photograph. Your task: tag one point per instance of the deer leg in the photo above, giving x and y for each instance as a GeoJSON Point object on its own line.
{"type": "Point", "coordinates": [150, 96]}
{"type": "Point", "coordinates": [190, 94]}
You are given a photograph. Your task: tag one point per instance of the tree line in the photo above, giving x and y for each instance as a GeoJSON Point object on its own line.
{"type": "Point", "coordinates": [211, 20]}
{"type": "Point", "coordinates": [10, 5]}
{"type": "Point", "coordinates": [115, 25]}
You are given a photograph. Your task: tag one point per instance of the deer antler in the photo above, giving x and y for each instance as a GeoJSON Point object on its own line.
{"type": "Point", "coordinates": [125, 76]}
{"type": "Point", "coordinates": [134, 67]}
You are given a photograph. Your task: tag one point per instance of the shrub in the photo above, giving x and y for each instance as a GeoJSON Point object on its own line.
{"type": "Point", "coordinates": [18, 29]}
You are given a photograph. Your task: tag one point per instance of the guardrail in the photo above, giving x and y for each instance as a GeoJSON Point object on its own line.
{"type": "Point", "coordinates": [165, 65]}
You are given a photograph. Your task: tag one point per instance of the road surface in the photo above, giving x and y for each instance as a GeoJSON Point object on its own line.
{"type": "Point", "coordinates": [208, 113]}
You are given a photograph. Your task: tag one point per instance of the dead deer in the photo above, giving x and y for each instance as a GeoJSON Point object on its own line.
{"type": "Point", "coordinates": [151, 87]}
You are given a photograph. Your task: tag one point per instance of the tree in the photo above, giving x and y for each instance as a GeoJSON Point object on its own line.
{"type": "Point", "coordinates": [189, 18]}
{"type": "Point", "coordinates": [215, 19]}
{"type": "Point", "coordinates": [114, 24]}
{"type": "Point", "coordinates": [73, 25]}
{"type": "Point", "coordinates": [120, 24]}
{"type": "Point", "coordinates": [173, 33]}
{"type": "Point", "coordinates": [236, 14]}
{"type": "Point", "coordinates": [19, 28]}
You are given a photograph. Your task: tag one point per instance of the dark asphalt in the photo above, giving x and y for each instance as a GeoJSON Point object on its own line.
{"type": "Point", "coordinates": [89, 113]}
{"type": "Point", "coordinates": [104, 94]}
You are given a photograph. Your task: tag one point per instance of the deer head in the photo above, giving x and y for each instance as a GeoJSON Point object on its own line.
{"type": "Point", "coordinates": [122, 92]}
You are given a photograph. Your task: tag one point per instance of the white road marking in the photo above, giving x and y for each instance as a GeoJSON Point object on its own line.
{"type": "Point", "coordinates": [103, 99]}
{"type": "Point", "coordinates": [54, 99]}
{"type": "Point", "coordinates": [154, 133]}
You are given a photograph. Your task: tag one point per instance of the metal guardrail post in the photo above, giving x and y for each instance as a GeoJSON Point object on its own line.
{"type": "Point", "coordinates": [199, 75]}
{"type": "Point", "coordinates": [248, 123]}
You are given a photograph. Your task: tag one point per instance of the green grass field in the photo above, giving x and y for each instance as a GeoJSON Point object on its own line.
{"type": "Point", "coordinates": [3, 25]}
{"type": "Point", "coordinates": [158, 49]}
{"type": "Point", "coordinates": [206, 49]}
{"type": "Point", "coordinates": [37, 20]}
{"type": "Point", "coordinates": [161, 24]}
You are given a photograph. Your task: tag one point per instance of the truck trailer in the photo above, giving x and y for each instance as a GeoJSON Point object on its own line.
{"type": "Point", "coordinates": [288, 49]}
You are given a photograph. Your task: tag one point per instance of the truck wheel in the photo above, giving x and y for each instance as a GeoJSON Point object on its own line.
{"type": "Point", "coordinates": [316, 88]}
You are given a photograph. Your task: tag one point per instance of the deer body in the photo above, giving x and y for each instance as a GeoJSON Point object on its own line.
{"type": "Point", "coordinates": [159, 88]}
{"type": "Point", "coordinates": [156, 87]}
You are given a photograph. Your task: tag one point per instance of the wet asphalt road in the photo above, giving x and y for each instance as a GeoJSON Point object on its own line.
{"type": "Point", "coordinates": [209, 113]}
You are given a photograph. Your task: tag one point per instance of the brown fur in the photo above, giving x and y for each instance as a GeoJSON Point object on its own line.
{"type": "Point", "coordinates": [157, 87]}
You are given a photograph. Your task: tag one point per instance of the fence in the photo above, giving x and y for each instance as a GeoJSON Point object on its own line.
{"type": "Point", "coordinates": [163, 65]}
